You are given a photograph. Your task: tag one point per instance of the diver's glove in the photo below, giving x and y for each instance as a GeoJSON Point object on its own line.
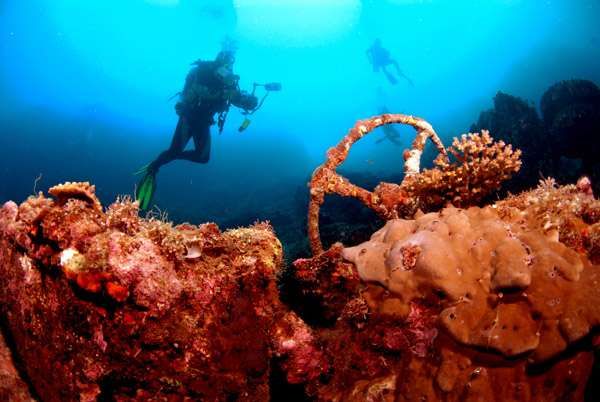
{"type": "Point", "coordinates": [180, 108]}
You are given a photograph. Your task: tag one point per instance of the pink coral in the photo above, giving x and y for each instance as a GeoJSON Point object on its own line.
{"type": "Point", "coordinates": [297, 346]}
{"type": "Point", "coordinates": [127, 316]}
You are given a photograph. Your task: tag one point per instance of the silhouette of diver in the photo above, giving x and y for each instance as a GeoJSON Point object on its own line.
{"type": "Point", "coordinates": [380, 58]}
{"type": "Point", "coordinates": [390, 132]}
{"type": "Point", "coordinates": [210, 88]}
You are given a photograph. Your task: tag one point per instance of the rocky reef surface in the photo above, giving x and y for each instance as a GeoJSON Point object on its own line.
{"type": "Point", "coordinates": [12, 387]}
{"type": "Point", "coordinates": [449, 301]}
{"type": "Point", "coordinates": [493, 303]}
{"type": "Point", "coordinates": [563, 143]}
{"type": "Point", "coordinates": [105, 305]}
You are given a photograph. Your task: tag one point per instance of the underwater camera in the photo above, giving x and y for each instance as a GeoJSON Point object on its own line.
{"type": "Point", "coordinates": [273, 86]}
{"type": "Point", "coordinates": [269, 87]}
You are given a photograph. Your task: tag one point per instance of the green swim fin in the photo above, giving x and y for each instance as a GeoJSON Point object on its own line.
{"type": "Point", "coordinates": [145, 190]}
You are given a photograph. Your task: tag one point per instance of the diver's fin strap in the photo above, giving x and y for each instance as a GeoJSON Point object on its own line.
{"type": "Point", "coordinates": [143, 169]}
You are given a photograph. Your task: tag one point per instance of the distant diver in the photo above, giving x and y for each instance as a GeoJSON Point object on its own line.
{"type": "Point", "coordinates": [390, 132]}
{"type": "Point", "coordinates": [380, 58]}
{"type": "Point", "coordinates": [210, 88]}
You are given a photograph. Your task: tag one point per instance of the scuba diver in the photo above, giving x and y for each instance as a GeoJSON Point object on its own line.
{"type": "Point", "coordinates": [380, 58]}
{"type": "Point", "coordinates": [210, 88]}
{"type": "Point", "coordinates": [390, 132]}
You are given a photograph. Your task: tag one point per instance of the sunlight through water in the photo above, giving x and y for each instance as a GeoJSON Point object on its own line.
{"type": "Point", "coordinates": [296, 22]}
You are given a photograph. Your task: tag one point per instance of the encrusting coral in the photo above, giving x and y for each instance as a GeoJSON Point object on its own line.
{"type": "Point", "coordinates": [12, 387]}
{"type": "Point", "coordinates": [494, 303]}
{"type": "Point", "coordinates": [498, 279]}
{"type": "Point", "coordinates": [449, 301]}
{"type": "Point", "coordinates": [107, 305]}
{"type": "Point", "coordinates": [450, 304]}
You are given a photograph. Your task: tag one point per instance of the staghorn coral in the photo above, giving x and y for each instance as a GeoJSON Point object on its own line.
{"type": "Point", "coordinates": [480, 168]}
{"type": "Point", "coordinates": [114, 307]}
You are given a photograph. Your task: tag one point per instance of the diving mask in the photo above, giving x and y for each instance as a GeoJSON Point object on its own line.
{"type": "Point", "coordinates": [225, 73]}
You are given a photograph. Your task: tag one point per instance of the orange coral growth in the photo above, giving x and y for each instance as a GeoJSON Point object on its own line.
{"type": "Point", "coordinates": [178, 312]}
{"type": "Point", "coordinates": [325, 180]}
{"type": "Point", "coordinates": [472, 256]}
{"type": "Point", "coordinates": [34, 209]}
{"type": "Point", "coordinates": [502, 294]}
{"type": "Point", "coordinates": [495, 303]}
{"type": "Point", "coordinates": [12, 387]}
{"type": "Point", "coordinates": [482, 165]}
{"type": "Point", "coordinates": [116, 291]}
{"type": "Point", "coordinates": [76, 190]}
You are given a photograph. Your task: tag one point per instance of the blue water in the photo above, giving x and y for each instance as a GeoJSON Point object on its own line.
{"type": "Point", "coordinates": [85, 86]}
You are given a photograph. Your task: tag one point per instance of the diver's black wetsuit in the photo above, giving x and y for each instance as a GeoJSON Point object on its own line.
{"type": "Point", "coordinates": [210, 88]}
{"type": "Point", "coordinates": [380, 58]}
{"type": "Point", "coordinates": [205, 94]}
{"type": "Point", "coordinates": [188, 126]}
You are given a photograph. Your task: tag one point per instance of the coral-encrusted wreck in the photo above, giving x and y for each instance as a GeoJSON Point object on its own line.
{"type": "Point", "coordinates": [449, 301]}
{"type": "Point", "coordinates": [492, 303]}
{"type": "Point", "coordinates": [108, 305]}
